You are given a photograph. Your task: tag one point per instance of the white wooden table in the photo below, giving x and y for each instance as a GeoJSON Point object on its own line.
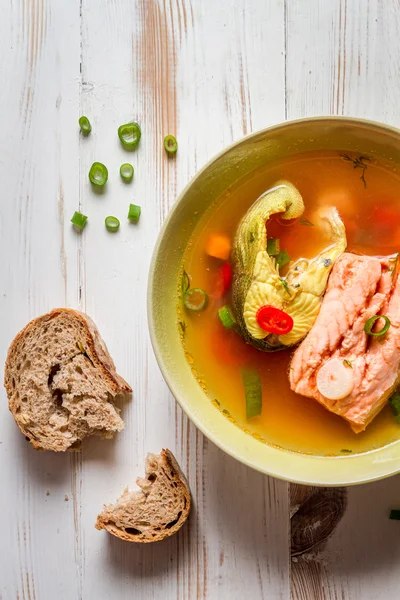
{"type": "Point", "coordinates": [208, 71]}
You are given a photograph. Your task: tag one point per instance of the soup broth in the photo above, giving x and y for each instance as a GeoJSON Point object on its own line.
{"type": "Point", "coordinates": [368, 203]}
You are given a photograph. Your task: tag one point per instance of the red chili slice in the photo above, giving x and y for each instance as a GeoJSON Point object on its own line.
{"type": "Point", "coordinates": [226, 275]}
{"type": "Point", "coordinates": [274, 320]}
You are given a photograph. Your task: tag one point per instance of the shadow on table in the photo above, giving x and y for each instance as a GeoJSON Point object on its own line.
{"type": "Point", "coordinates": [54, 468]}
{"type": "Point", "coordinates": [143, 561]}
{"type": "Point", "coordinates": [239, 520]}
{"type": "Point", "coordinates": [367, 541]}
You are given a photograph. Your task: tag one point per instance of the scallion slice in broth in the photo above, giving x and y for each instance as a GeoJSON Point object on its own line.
{"type": "Point", "coordinates": [371, 322]}
{"type": "Point", "coordinates": [195, 299]}
{"type": "Point", "coordinates": [282, 258]}
{"type": "Point", "coordinates": [226, 317]}
{"type": "Point", "coordinates": [185, 282]}
{"type": "Point", "coordinates": [273, 246]}
{"type": "Point", "coordinates": [253, 392]}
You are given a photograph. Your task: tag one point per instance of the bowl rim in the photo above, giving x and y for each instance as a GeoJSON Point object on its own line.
{"type": "Point", "coordinates": [231, 451]}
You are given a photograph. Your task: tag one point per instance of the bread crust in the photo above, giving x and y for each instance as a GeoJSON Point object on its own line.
{"type": "Point", "coordinates": [95, 349]}
{"type": "Point", "coordinates": [155, 533]}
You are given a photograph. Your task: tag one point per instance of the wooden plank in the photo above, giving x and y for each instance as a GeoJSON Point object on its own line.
{"type": "Point", "coordinates": [191, 69]}
{"type": "Point", "coordinates": [39, 48]}
{"type": "Point", "coordinates": [342, 58]}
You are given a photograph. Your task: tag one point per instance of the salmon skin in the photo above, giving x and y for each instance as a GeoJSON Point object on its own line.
{"type": "Point", "coordinates": [359, 287]}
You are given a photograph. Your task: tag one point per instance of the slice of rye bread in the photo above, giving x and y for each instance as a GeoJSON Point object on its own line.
{"type": "Point", "coordinates": [61, 381]}
{"type": "Point", "coordinates": [157, 511]}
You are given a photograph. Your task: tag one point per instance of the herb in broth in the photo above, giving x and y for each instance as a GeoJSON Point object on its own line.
{"type": "Point", "coordinates": [346, 451]}
{"type": "Point", "coordinates": [358, 163]}
{"type": "Point", "coordinates": [285, 285]}
{"type": "Point", "coordinates": [306, 222]}
{"type": "Point", "coordinates": [182, 326]}
{"type": "Point", "coordinates": [347, 363]}
{"type": "Point", "coordinates": [185, 283]}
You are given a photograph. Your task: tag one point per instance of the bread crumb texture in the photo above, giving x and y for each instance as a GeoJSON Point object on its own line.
{"type": "Point", "coordinates": [61, 382]}
{"type": "Point", "coordinates": [155, 512]}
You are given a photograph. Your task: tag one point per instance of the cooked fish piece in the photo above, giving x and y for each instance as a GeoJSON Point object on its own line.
{"type": "Point", "coordinates": [359, 288]}
{"type": "Point", "coordinates": [256, 278]}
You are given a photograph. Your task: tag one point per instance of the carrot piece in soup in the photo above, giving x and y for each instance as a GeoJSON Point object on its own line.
{"type": "Point", "coordinates": [218, 246]}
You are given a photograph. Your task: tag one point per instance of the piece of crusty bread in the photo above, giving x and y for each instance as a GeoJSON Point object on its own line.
{"type": "Point", "coordinates": [61, 381]}
{"type": "Point", "coordinates": [157, 511]}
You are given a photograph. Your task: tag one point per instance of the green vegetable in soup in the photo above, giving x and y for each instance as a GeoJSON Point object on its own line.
{"type": "Point", "coordinates": [253, 392]}
{"type": "Point", "coordinates": [256, 278]}
{"type": "Point", "coordinates": [273, 246]}
{"type": "Point", "coordinates": [195, 299]}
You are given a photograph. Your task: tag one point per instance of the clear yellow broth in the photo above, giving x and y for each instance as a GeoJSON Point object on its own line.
{"type": "Point", "coordinates": [371, 214]}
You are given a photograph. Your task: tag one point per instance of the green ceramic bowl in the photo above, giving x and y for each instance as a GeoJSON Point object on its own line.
{"type": "Point", "coordinates": [222, 172]}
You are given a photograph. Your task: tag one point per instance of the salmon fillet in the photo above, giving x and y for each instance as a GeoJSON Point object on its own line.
{"type": "Point", "coordinates": [359, 288]}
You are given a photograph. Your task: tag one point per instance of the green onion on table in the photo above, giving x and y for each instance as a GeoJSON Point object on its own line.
{"type": "Point", "coordinates": [170, 144]}
{"type": "Point", "coordinates": [85, 125]}
{"type": "Point", "coordinates": [98, 174]}
{"type": "Point", "coordinates": [126, 171]}
{"type": "Point", "coordinates": [134, 213]}
{"type": "Point", "coordinates": [112, 223]}
{"type": "Point", "coordinates": [129, 135]}
{"type": "Point", "coordinates": [79, 220]}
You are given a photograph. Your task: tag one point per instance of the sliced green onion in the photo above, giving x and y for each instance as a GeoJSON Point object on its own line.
{"type": "Point", "coordinates": [253, 392]}
{"type": "Point", "coordinates": [85, 125]}
{"type": "Point", "coordinates": [185, 282]}
{"type": "Point", "coordinates": [347, 363]}
{"type": "Point", "coordinates": [79, 220]}
{"type": "Point", "coordinates": [130, 135]}
{"type": "Point", "coordinates": [126, 171]}
{"type": "Point", "coordinates": [112, 223]}
{"type": "Point", "coordinates": [170, 144]}
{"type": "Point", "coordinates": [394, 514]}
{"type": "Point", "coordinates": [371, 322]}
{"type": "Point", "coordinates": [226, 317]}
{"type": "Point", "coordinates": [98, 174]}
{"type": "Point", "coordinates": [346, 451]}
{"type": "Point", "coordinates": [195, 299]}
{"type": "Point", "coordinates": [134, 213]}
{"type": "Point", "coordinates": [282, 258]}
{"type": "Point", "coordinates": [273, 246]}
